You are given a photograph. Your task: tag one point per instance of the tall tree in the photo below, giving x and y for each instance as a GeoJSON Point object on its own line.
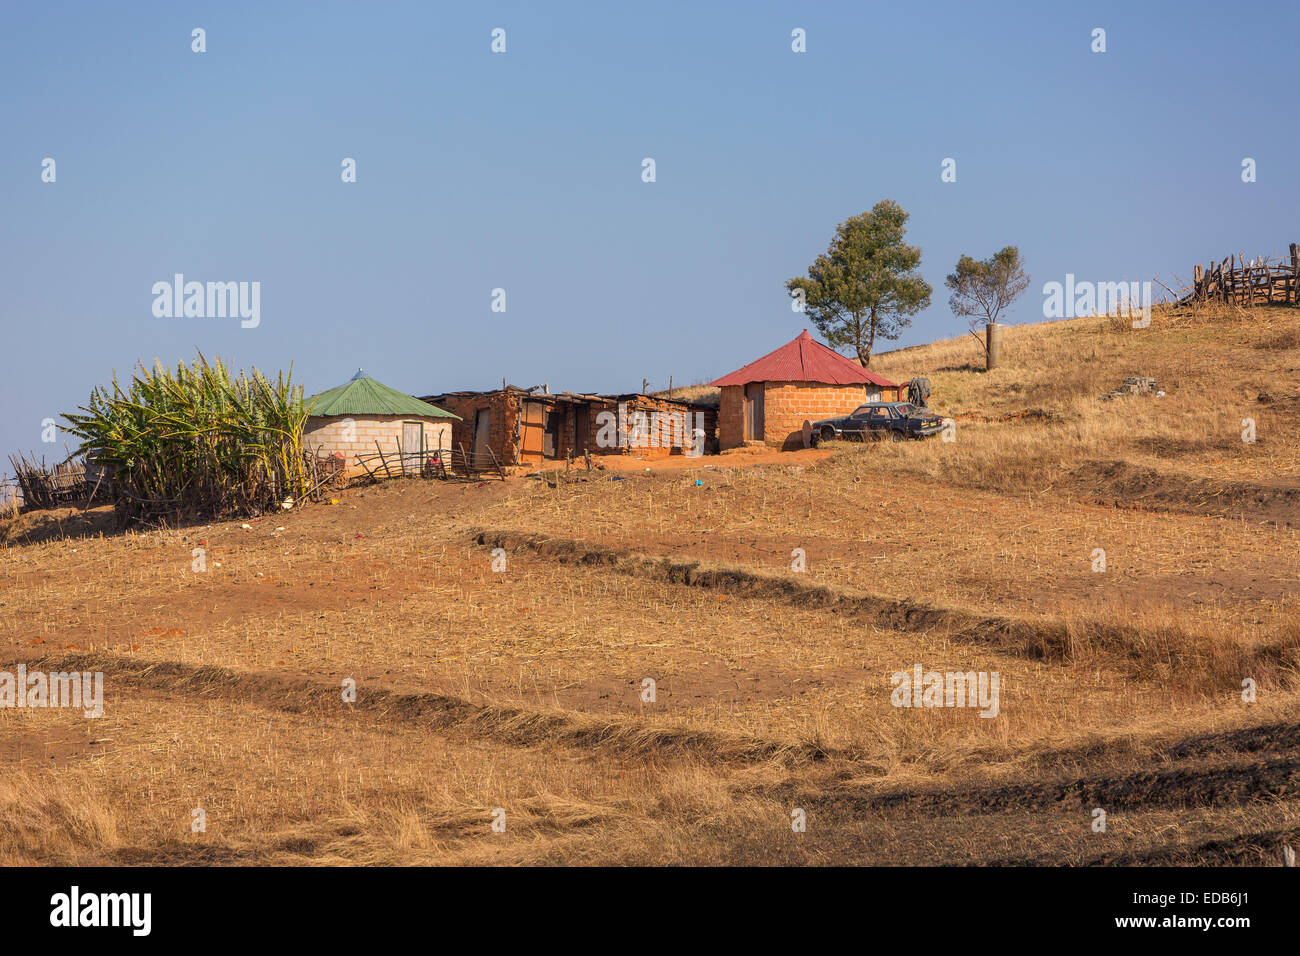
{"type": "Point", "coordinates": [866, 285]}
{"type": "Point", "coordinates": [982, 289]}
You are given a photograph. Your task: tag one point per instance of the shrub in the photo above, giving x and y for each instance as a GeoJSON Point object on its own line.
{"type": "Point", "coordinates": [196, 443]}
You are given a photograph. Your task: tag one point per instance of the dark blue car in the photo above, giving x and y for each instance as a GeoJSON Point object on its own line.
{"type": "Point", "coordinates": [879, 421]}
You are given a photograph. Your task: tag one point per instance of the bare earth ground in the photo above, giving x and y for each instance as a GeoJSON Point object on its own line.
{"type": "Point", "coordinates": [521, 690]}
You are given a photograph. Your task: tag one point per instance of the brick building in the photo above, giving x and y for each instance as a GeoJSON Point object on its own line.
{"type": "Point", "coordinates": [363, 417]}
{"type": "Point", "coordinates": [519, 426]}
{"type": "Point", "coordinates": [769, 399]}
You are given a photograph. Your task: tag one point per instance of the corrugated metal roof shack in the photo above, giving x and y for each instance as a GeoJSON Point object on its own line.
{"type": "Point", "coordinates": [530, 426]}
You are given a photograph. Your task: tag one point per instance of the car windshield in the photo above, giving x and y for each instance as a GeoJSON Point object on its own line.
{"type": "Point", "coordinates": [906, 409]}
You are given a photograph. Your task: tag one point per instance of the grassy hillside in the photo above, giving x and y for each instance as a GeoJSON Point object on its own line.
{"type": "Point", "coordinates": [524, 690]}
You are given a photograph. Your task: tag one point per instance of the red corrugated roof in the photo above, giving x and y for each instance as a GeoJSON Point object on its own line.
{"type": "Point", "coordinates": [804, 360]}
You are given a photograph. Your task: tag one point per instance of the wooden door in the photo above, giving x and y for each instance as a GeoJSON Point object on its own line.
{"type": "Point", "coordinates": [754, 411]}
{"type": "Point", "coordinates": [412, 447]}
{"type": "Point", "coordinates": [551, 419]}
{"type": "Point", "coordinates": [531, 430]}
{"type": "Point", "coordinates": [482, 435]}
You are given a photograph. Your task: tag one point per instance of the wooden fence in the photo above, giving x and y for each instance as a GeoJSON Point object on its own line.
{"type": "Point", "coordinates": [438, 463]}
{"type": "Point", "coordinates": [42, 486]}
{"type": "Point", "coordinates": [11, 495]}
{"type": "Point", "coordinates": [1260, 281]}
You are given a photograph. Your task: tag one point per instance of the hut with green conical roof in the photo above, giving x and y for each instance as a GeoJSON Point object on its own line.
{"type": "Point", "coordinates": [364, 418]}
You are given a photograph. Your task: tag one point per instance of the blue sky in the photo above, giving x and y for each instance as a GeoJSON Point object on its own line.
{"type": "Point", "coordinates": [522, 171]}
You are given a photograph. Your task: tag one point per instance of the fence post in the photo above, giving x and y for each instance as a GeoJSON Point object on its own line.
{"type": "Point", "coordinates": [1295, 272]}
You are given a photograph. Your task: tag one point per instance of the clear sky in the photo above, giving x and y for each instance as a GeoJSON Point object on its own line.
{"type": "Point", "coordinates": [523, 171]}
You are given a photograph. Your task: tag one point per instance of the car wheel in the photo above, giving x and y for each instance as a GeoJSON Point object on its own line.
{"type": "Point", "coordinates": [828, 434]}
{"type": "Point", "coordinates": [897, 436]}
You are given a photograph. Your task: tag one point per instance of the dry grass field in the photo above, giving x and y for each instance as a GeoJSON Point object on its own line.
{"type": "Point", "coordinates": [517, 695]}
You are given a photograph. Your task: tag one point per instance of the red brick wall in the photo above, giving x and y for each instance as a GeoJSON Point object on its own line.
{"type": "Point", "coordinates": [787, 405]}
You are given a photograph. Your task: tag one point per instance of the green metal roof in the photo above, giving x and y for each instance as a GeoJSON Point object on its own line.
{"type": "Point", "coordinates": [362, 395]}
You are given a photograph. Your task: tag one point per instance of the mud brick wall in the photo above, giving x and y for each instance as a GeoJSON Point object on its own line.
{"type": "Point", "coordinates": [503, 427]}
{"type": "Point", "coordinates": [672, 431]}
{"type": "Point", "coordinates": [507, 408]}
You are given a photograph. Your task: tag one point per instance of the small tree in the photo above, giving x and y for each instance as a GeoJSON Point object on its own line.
{"type": "Point", "coordinates": [983, 289]}
{"type": "Point", "coordinates": [865, 285]}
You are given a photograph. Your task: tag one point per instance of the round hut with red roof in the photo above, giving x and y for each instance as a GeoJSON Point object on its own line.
{"type": "Point", "coordinates": [768, 400]}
